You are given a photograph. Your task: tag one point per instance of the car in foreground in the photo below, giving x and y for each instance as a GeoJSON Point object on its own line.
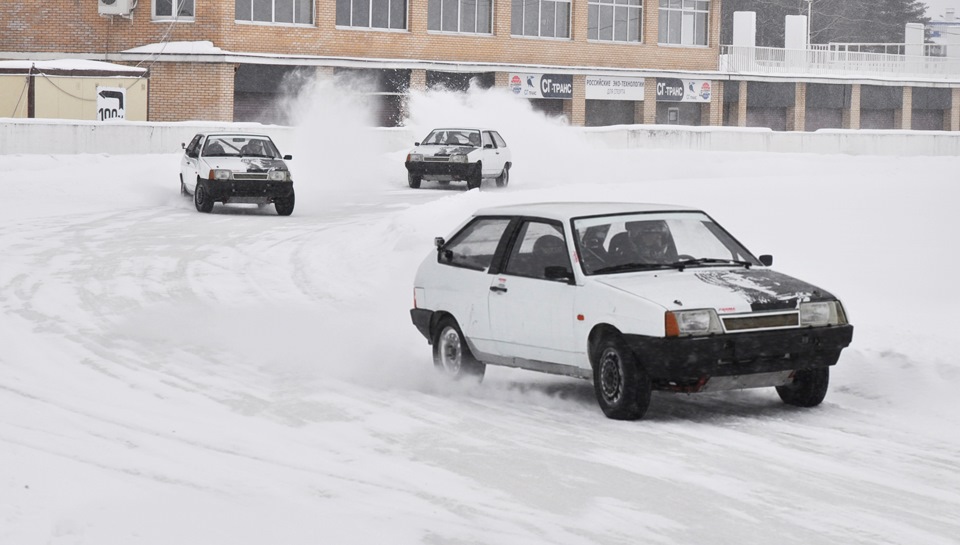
{"type": "Point", "coordinates": [634, 297]}
{"type": "Point", "coordinates": [236, 168]}
{"type": "Point", "coordinates": [459, 154]}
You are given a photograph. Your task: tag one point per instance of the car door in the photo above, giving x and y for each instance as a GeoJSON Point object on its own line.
{"type": "Point", "coordinates": [189, 163]}
{"type": "Point", "coordinates": [505, 154]}
{"type": "Point", "coordinates": [532, 297]}
{"type": "Point", "coordinates": [492, 159]}
{"type": "Point", "coordinates": [461, 281]}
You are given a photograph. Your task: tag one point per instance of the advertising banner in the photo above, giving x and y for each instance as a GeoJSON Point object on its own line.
{"type": "Point", "coordinates": [542, 85]}
{"type": "Point", "coordinates": [614, 88]}
{"type": "Point", "coordinates": [683, 90]}
{"type": "Point", "coordinates": [110, 103]}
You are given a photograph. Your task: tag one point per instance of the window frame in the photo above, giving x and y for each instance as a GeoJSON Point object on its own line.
{"type": "Point", "coordinates": [370, 16]}
{"type": "Point", "coordinates": [540, 3]}
{"type": "Point", "coordinates": [517, 239]}
{"type": "Point", "coordinates": [174, 6]}
{"type": "Point", "coordinates": [615, 5]}
{"type": "Point", "coordinates": [666, 13]}
{"type": "Point", "coordinates": [495, 258]}
{"type": "Point", "coordinates": [440, 5]}
{"type": "Point", "coordinates": [273, 14]}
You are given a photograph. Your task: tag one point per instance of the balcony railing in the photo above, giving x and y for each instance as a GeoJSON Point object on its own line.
{"type": "Point", "coordinates": [842, 60]}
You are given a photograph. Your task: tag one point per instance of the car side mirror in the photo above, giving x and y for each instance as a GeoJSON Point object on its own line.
{"type": "Point", "coordinates": [558, 272]}
{"type": "Point", "coordinates": [183, 145]}
{"type": "Point", "coordinates": [766, 260]}
{"type": "Point", "coordinates": [488, 146]}
{"type": "Point", "coordinates": [288, 157]}
{"type": "Point", "coordinates": [416, 143]}
{"type": "Point", "coordinates": [439, 242]}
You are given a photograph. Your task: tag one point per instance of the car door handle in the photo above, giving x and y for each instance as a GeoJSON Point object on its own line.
{"type": "Point", "coordinates": [498, 289]}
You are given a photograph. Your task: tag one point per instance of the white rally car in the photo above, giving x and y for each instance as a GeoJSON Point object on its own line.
{"type": "Point", "coordinates": [452, 154]}
{"type": "Point", "coordinates": [634, 297]}
{"type": "Point", "coordinates": [236, 168]}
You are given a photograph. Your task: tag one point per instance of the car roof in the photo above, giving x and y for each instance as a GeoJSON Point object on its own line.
{"type": "Point", "coordinates": [566, 210]}
{"type": "Point", "coordinates": [463, 129]}
{"type": "Point", "coordinates": [235, 133]}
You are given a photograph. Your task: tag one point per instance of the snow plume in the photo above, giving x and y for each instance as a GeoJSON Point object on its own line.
{"type": "Point", "coordinates": [334, 150]}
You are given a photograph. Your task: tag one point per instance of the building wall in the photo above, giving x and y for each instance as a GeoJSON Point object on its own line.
{"type": "Point", "coordinates": [201, 91]}
{"type": "Point", "coordinates": [74, 26]}
{"type": "Point", "coordinates": [13, 96]}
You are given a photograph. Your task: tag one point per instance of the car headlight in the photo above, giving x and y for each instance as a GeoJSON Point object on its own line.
{"type": "Point", "coordinates": [278, 175]}
{"type": "Point", "coordinates": [219, 174]}
{"type": "Point", "coordinates": [822, 313]}
{"type": "Point", "coordinates": [414, 157]}
{"type": "Point", "coordinates": [458, 158]}
{"type": "Point", "coordinates": [692, 322]}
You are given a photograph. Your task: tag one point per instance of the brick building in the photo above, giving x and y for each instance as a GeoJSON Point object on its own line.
{"type": "Point", "coordinates": [597, 62]}
{"type": "Point", "coordinates": [624, 49]}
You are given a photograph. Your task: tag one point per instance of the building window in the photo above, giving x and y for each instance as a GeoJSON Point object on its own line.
{"type": "Point", "coordinates": [390, 14]}
{"type": "Point", "coordinates": [615, 20]}
{"type": "Point", "coordinates": [275, 11]}
{"type": "Point", "coordinates": [163, 9]}
{"type": "Point", "coordinates": [684, 22]}
{"type": "Point", "coordinates": [465, 16]}
{"type": "Point", "coordinates": [541, 18]}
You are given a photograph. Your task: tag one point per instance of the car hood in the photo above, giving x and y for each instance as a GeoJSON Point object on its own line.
{"type": "Point", "coordinates": [246, 164]}
{"type": "Point", "coordinates": [443, 151]}
{"type": "Point", "coordinates": [726, 290]}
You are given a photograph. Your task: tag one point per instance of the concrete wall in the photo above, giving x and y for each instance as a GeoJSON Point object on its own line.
{"type": "Point", "coordinates": [67, 137]}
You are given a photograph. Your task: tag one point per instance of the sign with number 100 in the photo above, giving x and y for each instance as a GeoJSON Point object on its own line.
{"type": "Point", "coordinates": [110, 103]}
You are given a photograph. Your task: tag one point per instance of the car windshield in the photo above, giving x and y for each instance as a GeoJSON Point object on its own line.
{"type": "Point", "coordinates": [645, 241]}
{"type": "Point", "coordinates": [452, 137]}
{"type": "Point", "coordinates": [239, 145]}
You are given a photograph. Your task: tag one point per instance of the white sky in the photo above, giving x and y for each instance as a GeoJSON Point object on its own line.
{"type": "Point", "coordinates": [936, 8]}
{"type": "Point", "coordinates": [240, 378]}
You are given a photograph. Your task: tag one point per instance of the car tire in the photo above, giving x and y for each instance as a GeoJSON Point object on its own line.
{"type": "Point", "coordinates": [622, 386]}
{"type": "Point", "coordinates": [504, 178]}
{"type": "Point", "coordinates": [474, 179]}
{"type": "Point", "coordinates": [201, 200]}
{"type": "Point", "coordinates": [452, 356]}
{"type": "Point", "coordinates": [808, 388]}
{"type": "Point", "coordinates": [413, 180]}
{"type": "Point", "coordinates": [284, 205]}
{"type": "Point", "coordinates": [183, 187]}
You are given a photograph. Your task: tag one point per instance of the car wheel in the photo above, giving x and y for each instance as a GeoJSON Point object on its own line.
{"type": "Point", "coordinates": [413, 180]}
{"type": "Point", "coordinates": [621, 384]}
{"type": "Point", "coordinates": [504, 178]}
{"type": "Point", "coordinates": [183, 187]}
{"type": "Point", "coordinates": [474, 179]}
{"type": "Point", "coordinates": [451, 355]}
{"type": "Point", "coordinates": [201, 200]}
{"type": "Point", "coordinates": [808, 388]}
{"type": "Point", "coordinates": [284, 205]}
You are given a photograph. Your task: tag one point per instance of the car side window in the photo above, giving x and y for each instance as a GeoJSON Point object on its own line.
{"type": "Point", "coordinates": [487, 139]}
{"type": "Point", "coordinates": [499, 141]}
{"type": "Point", "coordinates": [473, 247]}
{"type": "Point", "coordinates": [193, 149]}
{"type": "Point", "coordinates": [540, 251]}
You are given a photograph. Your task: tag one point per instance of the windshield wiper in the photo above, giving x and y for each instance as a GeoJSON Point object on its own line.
{"type": "Point", "coordinates": [628, 267]}
{"type": "Point", "coordinates": [680, 265]}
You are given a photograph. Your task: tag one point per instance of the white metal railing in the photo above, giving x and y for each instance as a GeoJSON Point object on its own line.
{"type": "Point", "coordinates": [839, 60]}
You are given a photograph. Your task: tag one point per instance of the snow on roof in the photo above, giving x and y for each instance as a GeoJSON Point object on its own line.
{"type": "Point", "coordinates": [202, 47]}
{"type": "Point", "coordinates": [70, 64]}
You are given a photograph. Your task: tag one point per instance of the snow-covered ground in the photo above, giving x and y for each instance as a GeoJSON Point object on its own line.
{"type": "Point", "coordinates": [236, 378]}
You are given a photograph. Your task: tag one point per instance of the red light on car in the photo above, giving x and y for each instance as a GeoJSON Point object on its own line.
{"type": "Point", "coordinates": [670, 325]}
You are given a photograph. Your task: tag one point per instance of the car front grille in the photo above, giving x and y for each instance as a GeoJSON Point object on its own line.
{"type": "Point", "coordinates": [249, 175]}
{"type": "Point", "coordinates": [752, 322]}
{"type": "Point", "coordinates": [436, 159]}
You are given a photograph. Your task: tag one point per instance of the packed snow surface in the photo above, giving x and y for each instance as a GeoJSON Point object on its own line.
{"type": "Point", "coordinates": [237, 377]}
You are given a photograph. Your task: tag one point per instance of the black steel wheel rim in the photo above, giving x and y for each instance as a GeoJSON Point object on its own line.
{"type": "Point", "coordinates": [611, 376]}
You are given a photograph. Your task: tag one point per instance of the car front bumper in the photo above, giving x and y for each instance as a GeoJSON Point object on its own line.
{"type": "Point", "coordinates": [441, 171]}
{"type": "Point", "coordinates": [246, 190]}
{"type": "Point", "coordinates": [692, 358]}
